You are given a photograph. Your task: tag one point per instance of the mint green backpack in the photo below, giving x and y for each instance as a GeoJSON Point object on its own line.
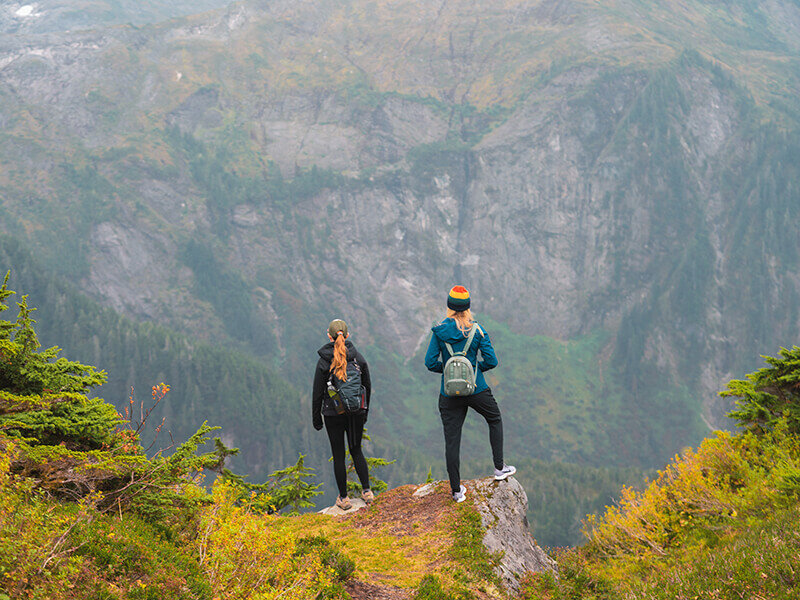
{"type": "Point", "coordinates": [458, 374]}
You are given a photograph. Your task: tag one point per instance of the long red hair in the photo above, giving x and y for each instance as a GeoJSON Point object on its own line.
{"type": "Point", "coordinates": [339, 362]}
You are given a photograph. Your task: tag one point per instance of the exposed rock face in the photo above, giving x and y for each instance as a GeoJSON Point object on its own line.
{"type": "Point", "coordinates": [503, 507]}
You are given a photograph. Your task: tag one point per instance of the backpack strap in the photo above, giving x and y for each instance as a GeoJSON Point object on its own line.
{"type": "Point", "coordinates": [471, 337]}
{"type": "Point", "coordinates": [478, 327]}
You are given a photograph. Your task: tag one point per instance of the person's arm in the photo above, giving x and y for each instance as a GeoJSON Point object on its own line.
{"type": "Point", "coordinates": [433, 357]}
{"type": "Point", "coordinates": [317, 395]}
{"type": "Point", "coordinates": [365, 379]}
{"type": "Point", "coordinates": [489, 358]}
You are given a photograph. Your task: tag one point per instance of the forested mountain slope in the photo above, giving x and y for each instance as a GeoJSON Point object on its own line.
{"type": "Point", "coordinates": [618, 178]}
{"type": "Point", "coordinates": [207, 384]}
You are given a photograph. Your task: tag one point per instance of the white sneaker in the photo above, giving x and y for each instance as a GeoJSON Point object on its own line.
{"type": "Point", "coordinates": [504, 473]}
{"type": "Point", "coordinates": [460, 495]}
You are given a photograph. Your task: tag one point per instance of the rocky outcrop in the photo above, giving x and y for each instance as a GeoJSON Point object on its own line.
{"type": "Point", "coordinates": [335, 511]}
{"type": "Point", "coordinates": [428, 514]}
{"type": "Point", "coordinates": [503, 506]}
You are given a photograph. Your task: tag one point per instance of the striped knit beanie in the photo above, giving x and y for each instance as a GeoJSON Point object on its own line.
{"type": "Point", "coordinates": [458, 298]}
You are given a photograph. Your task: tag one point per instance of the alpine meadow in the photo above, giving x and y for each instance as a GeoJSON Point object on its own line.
{"type": "Point", "coordinates": [192, 191]}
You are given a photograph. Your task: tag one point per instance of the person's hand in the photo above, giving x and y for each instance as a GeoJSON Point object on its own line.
{"type": "Point", "coordinates": [317, 424]}
{"type": "Point", "coordinates": [366, 414]}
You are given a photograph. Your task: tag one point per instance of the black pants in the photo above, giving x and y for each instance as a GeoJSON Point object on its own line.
{"type": "Point", "coordinates": [351, 428]}
{"type": "Point", "coordinates": [453, 411]}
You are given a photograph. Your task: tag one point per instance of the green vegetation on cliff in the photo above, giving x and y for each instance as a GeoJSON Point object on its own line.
{"type": "Point", "coordinates": [85, 512]}
{"type": "Point", "coordinates": [718, 522]}
{"type": "Point", "coordinates": [208, 383]}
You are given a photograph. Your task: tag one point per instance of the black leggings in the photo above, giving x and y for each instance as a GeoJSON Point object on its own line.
{"type": "Point", "coordinates": [453, 411]}
{"type": "Point", "coordinates": [350, 427]}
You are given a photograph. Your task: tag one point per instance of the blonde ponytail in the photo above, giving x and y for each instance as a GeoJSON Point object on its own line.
{"type": "Point", "coordinates": [339, 362]}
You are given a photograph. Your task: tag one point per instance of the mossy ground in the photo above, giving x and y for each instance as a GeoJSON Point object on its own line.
{"type": "Point", "coordinates": [400, 540]}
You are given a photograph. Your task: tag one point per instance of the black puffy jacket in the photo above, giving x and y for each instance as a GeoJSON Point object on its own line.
{"type": "Point", "coordinates": [320, 404]}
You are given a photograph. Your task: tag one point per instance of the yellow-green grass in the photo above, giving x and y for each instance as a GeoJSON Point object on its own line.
{"type": "Point", "coordinates": [396, 541]}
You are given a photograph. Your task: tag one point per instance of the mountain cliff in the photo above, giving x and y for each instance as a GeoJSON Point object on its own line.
{"type": "Point", "coordinates": [615, 177]}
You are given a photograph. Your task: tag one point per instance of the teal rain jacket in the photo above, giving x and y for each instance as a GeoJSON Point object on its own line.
{"type": "Point", "coordinates": [448, 332]}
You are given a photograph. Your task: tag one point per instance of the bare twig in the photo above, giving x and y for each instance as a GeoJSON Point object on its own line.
{"type": "Point", "coordinates": [158, 431]}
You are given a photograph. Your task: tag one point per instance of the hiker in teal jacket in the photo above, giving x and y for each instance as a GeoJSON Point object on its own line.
{"type": "Point", "coordinates": [455, 331]}
{"type": "Point", "coordinates": [437, 355]}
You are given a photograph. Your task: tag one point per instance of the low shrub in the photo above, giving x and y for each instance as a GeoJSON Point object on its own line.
{"type": "Point", "coordinates": [718, 522]}
{"type": "Point", "coordinates": [243, 556]}
{"type": "Point", "coordinates": [468, 549]}
{"type": "Point", "coordinates": [430, 588]}
{"type": "Point", "coordinates": [343, 567]}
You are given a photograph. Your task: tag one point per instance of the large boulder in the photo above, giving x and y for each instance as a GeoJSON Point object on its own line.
{"type": "Point", "coordinates": [503, 506]}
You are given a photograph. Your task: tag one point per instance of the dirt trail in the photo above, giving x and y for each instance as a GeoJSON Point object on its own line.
{"type": "Point", "coordinates": [360, 590]}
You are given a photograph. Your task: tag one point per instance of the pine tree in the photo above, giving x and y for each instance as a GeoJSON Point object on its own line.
{"type": "Point", "coordinates": [769, 395]}
{"type": "Point", "coordinates": [75, 446]}
{"type": "Point", "coordinates": [376, 485]}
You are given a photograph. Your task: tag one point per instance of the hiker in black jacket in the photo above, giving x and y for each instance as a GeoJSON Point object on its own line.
{"type": "Point", "coordinates": [340, 362]}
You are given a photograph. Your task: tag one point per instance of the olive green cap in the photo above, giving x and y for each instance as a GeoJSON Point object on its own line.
{"type": "Point", "coordinates": [336, 326]}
